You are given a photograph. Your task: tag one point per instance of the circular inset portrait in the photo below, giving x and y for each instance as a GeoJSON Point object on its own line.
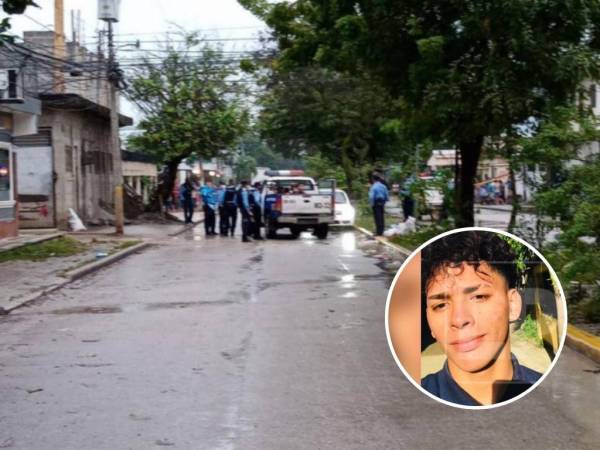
{"type": "Point", "coordinates": [476, 318]}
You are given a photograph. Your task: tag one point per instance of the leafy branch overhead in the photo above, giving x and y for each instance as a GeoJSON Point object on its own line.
{"type": "Point", "coordinates": [190, 105]}
{"type": "Point", "coordinates": [11, 7]}
{"type": "Point", "coordinates": [459, 71]}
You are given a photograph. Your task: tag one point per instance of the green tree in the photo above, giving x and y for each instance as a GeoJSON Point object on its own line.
{"type": "Point", "coordinates": [254, 146]}
{"type": "Point", "coordinates": [567, 195]}
{"type": "Point", "coordinates": [190, 108]}
{"type": "Point", "coordinates": [462, 70]}
{"type": "Point", "coordinates": [343, 119]}
{"type": "Point", "coordinates": [245, 167]}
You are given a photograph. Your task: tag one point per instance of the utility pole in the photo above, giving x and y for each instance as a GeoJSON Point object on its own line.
{"type": "Point", "coordinates": [110, 15]}
{"type": "Point", "coordinates": [59, 45]}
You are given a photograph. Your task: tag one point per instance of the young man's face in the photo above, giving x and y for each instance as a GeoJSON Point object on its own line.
{"type": "Point", "coordinates": [468, 312]}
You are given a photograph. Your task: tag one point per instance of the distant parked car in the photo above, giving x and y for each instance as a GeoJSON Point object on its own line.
{"type": "Point", "coordinates": [344, 211]}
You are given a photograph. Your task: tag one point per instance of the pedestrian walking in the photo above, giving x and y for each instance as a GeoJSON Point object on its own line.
{"type": "Point", "coordinates": [257, 211]}
{"type": "Point", "coordinates": [378, 196]}
{"type": "Point", "coordinates": [243, 198]}
{"type": "Point", "coordinates": [209, 202]}
{"type": "Point", "coordinates": [231, 209]}
{"type": "Point", "coordinates": [186, 199]}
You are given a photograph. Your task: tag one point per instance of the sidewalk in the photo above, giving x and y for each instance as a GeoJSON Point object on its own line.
{"type": "Point", "coordinates": [26, 280]}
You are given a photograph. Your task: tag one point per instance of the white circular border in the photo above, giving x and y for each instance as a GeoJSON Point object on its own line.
{"type": "Point", "coordinates": [493, 405]}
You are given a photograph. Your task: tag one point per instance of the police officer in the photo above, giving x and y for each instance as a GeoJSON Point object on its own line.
{"type": "Point", "coordinates": [243, 199]}
{"type": "Point", "coordinates": [230, 207]}
{"type": "Point", "coordinates": [256, 204]}
{"type": "Point", "coordinates": [378, 196]}
{"type": "Point", "coordinates": [221, 205]}
{"type": "Point", "coordinates": [209, 200]}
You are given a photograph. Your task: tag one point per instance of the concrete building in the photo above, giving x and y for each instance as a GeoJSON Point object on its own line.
{"type": "Point", "coordinates": [19, 114]}
{"type": "Point", "coordinates": [15, 119]}
{"type": "Point", "coordinates": [68, 162]}
{"type": "Point", "coordinates": [140, 173]}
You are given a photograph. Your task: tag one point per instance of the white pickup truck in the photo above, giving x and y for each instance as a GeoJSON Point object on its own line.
{"type": "Point", "coordinates": [294, 201]}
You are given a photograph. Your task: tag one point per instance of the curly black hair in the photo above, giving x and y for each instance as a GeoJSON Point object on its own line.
{"type": "Point", "coordinates": [470, 247]}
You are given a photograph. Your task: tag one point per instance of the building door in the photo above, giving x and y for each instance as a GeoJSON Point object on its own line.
{"type": "Point", "coordinates": [35, 182]}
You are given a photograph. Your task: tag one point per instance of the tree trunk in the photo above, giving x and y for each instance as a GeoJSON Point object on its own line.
{"type": "Point", "coordinates": [516, 205]}
{"type": "Point", "coordinates": [164, 188]}
{"type": "Point", "coordinates": [469, 157]}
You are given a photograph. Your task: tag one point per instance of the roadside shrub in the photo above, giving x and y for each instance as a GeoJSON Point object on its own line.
{"type": "Point", "coordinates": [591, 309]}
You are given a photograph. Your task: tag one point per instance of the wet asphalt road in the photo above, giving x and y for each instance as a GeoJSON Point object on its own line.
{"type": "Point", "coordinates": [198, 344]}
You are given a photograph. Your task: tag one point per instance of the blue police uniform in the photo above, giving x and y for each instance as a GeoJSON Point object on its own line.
{"type": "Point", "coordinates": [255, 201]}
{"type": "Point", "coordinates": [442, 385]}
{"type": "Point", "coordinates": [222, 213]}
{"type": "Point", "coordinates": [186, 200]}
{"type": "Point", "coordinates": [209, 201]}
{"type": "Point", "coordinates": [243, 198]}
{"type": "Point", "coordinates": [378, 196]}
{"type": "Point", "coordinates": [230, 207]}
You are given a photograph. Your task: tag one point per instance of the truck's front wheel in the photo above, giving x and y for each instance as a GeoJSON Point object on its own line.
{"type": "Point", "coordinates": [270, 229]}
{"type": "Point", "coordinates": [321, 231]}
{"type": "Point", "coordinates": [295, 232]}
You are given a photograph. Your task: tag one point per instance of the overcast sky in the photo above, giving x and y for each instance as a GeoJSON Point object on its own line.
{"type": "Point", "coordinates": [149, 16]}
{"type": "Point", "coordinates": [151, 19]}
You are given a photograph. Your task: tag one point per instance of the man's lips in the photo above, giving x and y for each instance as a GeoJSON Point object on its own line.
{"type": "Point", "coordinates": [467, 344]}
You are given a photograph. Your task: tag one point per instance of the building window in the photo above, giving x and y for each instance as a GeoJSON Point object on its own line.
{"type": "Point", "coordinates": [69, 158]}
{"type": "Point", "coordinates": [593, 95]}
{"type": "Point", "coordinates": [5, 187]}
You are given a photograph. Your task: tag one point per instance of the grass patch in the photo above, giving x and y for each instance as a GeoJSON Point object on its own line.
{"type": "Point", "coordinates": [54, 248]}
{"type": "Point", "coordinates": [413, 240]}
{"type": "Point", "coordinates": [529, 330]}
{"type": "Point", "coordinates": [126, 244]}
{"type": "Point", "coordinates": [367, 221]}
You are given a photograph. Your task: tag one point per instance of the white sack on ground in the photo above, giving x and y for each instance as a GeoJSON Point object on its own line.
{"type": "Point", "coordinates": [406, 227]}
{"type": "Point", "coordinates": [75, 222]}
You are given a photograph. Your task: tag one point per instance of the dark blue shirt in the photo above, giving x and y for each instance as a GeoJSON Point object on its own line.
{"type": "Point", "coordinates": [442, 385]}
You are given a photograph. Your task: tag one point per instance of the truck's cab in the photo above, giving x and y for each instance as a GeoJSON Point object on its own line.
{"type": "Point", "coordinates": [291, 200]}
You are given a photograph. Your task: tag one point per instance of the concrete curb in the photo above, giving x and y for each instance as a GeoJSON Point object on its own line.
{"type": "Point", "coordinates": [73, 276]}
{"type": "Point", "coordinates": [382, 240]}
{"type": "Point", "coordinates": [31, 242]}
{"type": "Point", "coordinates": [583, 342]}
{"type": "Point", "coordinates": [92, 267]}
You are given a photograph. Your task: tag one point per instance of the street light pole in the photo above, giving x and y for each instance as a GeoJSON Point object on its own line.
{"type": "Point", "coordinates": [59, 45]}
{"type": "Point", "coordinates": [113, 80]}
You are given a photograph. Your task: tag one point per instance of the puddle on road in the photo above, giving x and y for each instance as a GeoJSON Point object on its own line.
{"type": "Point", "coordinates": [87, 310]}
{"type": "Point", "coordinates": [135, 307]}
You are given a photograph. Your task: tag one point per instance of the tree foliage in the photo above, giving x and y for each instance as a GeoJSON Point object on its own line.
{"type": "Point", "coordinates": [343, 119]}
{"type": "Point", "coordinates": [245, 167]}
{"type": "Point", "coordinates": [189, 106]}
{"type": "Point", "coordinates": [461, 70]}
{"type": "Point", "coordinates": [11, 7]}
{"type": "Point", "coordinates": [568, 194]}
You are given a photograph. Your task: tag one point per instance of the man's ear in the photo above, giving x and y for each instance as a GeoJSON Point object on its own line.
{"type": "Point", "coordinates": [515, 305]}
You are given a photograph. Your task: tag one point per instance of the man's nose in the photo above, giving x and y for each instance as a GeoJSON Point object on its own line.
{"type": "Point", "coordinates": [461, 315]}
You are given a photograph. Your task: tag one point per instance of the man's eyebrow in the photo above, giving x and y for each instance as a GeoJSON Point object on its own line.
{"type": "Point", "coordinates": [471, 289]}
{"type": "Point", "coordinates": [446, 295]}
{"type": "Point", "coordinates": [440, 296]}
